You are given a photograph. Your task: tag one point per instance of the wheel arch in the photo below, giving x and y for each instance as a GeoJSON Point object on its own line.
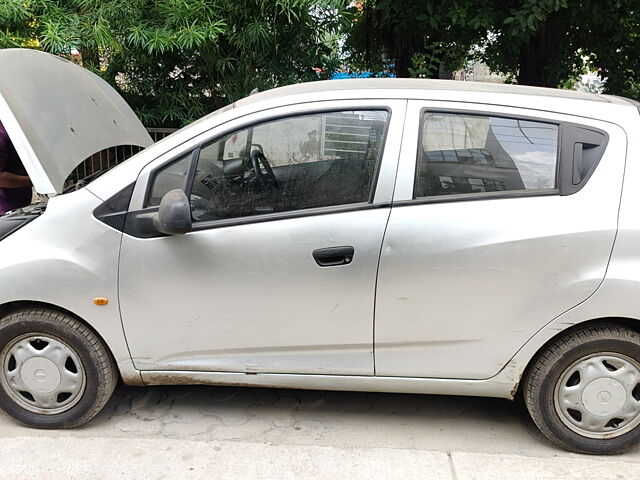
{"type": "Point", "coordinates": [15, 306]}
{"type": "Point", "coordinates": [627, 322]}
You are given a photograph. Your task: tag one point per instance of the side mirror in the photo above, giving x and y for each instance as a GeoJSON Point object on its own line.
{"type": "Point", "coordinates": [174, 215]}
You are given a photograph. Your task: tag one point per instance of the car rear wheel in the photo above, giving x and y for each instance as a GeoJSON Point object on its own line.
{"type": "Point", "coordinates": [583, 391]}
{"type": "Point", "coordinates": [54, 371]}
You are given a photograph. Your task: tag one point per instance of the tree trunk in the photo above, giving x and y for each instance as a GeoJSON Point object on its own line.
{"type": "Point", "coordinates": [531, 67]}
{"type": "Point", "coordinates": [538, 57]}
{"type": "Point", "coordinates": [403, 61]}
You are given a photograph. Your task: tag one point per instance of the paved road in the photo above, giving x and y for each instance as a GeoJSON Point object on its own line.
{"type": "Point", "coordinates": [193, 432]}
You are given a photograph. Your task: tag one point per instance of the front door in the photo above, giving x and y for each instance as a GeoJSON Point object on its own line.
{"type": "Point", "coordinates": [502, 220]}
{"type": "Point", "coordinates": [278, 274]}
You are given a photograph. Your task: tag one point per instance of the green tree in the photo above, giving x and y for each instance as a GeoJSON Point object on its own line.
{"type": "Point", "coordinates": [535, 42]}
{"type": "Point", "coordinates": [546, 42]}
{"type": "Point", "coordinates": [176, 60]}
{"type": "Point", "coordinates": [413, 37]}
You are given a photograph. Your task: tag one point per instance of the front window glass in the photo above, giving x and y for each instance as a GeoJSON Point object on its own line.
{"type": "Point", "coordinates": [289, 164]}
{"type": "Point", "coordinates": [462, 154]}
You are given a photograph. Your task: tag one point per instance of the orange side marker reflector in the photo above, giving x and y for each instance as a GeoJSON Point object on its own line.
{"type": "Point", "coordinates": [101, 301]}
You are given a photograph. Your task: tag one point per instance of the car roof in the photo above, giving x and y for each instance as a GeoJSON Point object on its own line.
{"type": "Point", "coordinates": [415, 85]}
{"type": "Point", "coordinates": [588, 105]}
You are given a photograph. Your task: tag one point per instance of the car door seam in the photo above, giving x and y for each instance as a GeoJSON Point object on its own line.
{"type": "Point", "coordinates": [384, 234]}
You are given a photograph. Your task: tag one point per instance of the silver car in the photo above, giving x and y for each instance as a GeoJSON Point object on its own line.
{"type": "Point", "coordinates": [388, 235]}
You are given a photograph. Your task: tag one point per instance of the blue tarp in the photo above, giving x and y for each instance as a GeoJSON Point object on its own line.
{"type": "Point", "coordinates": [343, 75]}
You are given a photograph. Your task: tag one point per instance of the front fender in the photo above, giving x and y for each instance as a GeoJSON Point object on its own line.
{"type": "Point", "coordinates": [66, 258]}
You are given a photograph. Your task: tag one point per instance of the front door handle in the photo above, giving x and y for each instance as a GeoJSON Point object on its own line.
{"type": "Point", "coordinates": [333, 256]}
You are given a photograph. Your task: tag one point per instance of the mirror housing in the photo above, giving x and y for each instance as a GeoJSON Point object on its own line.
{"type": "Point", "coordinates": [174, 215]}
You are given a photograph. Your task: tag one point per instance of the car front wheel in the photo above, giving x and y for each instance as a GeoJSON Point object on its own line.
{"type": "Point", "coordinates": [54, 371]}
{"type": "Point", "coordinates": [583, 391]}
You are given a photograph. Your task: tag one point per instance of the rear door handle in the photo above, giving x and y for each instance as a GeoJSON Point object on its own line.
{"type": "Point", "coordinates": [333, 256]}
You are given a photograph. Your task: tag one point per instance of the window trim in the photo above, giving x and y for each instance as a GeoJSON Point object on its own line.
{"type": "Point", "coordinates": [271, 217]}
{"type": "Point", "coordinates": [138, 223]}
{"type": "Point", "coordinates": [466, 197]}
{"type": "Point", "coordinates": [276, 215]}
{"type": "Point", "coordinates": [557, 190]}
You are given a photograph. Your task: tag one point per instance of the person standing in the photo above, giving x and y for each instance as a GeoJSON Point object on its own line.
{"type": "Point", "coordinates": [15, 185]}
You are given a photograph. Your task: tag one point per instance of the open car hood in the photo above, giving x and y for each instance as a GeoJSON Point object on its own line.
{"type": "Point", "coordinates": [58, 114]}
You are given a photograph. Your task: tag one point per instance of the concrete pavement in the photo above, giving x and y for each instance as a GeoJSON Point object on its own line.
{"type": "Point", "coordinates": [236, 433]}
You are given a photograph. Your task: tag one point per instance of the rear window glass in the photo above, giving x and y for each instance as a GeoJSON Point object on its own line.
{"type": "Point", "coordinates": [470, 154]}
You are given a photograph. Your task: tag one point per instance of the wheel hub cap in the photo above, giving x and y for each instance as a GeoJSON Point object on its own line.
{"type": "Point", "coordinates": [604, 396]}
{"type": "Point", "coordinates": [598, 396]}
{"type": "Point", "coordinates": [42, 374]}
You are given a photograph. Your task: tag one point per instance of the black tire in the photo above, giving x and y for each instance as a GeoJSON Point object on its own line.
{"type": "Point", "coordinates": [99, 369]}
{"type": "Point", "coordinates": [547, 369]}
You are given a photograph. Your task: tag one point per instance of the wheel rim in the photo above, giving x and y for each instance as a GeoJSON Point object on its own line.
{"type": "Point", "coordinates": [599, 395]}
{"type": "Point", "coordinates": [42, 374]}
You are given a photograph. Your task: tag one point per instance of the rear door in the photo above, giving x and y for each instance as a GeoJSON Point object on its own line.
{"type": "Point", "coordinates": [502, 219]}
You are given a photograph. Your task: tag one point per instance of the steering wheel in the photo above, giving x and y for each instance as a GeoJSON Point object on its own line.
{"type": "Point", "coordinates": [265, 179]}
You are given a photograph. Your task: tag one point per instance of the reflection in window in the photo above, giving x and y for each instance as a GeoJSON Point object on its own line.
{"type": "Point", "coordinates": [472, 154]}
{"type": "Point", "coordinates": [169, 178]}
{"type": "Point", "coordinates": [477, 185]}
{"type": "Point", "coordinates": [294, 163]}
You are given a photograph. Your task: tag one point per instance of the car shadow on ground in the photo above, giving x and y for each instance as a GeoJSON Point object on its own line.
{"type": "Point", "coordinates": [307, 417]}
{"type": "Point", "coordinates": [347, 419]}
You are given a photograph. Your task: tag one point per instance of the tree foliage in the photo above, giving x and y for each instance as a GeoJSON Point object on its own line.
{"type": "Point", "coordinates": [546, 42]}
{"type": "Point", "coordinates": [175, 60]}
{"type": "Point", "coordinates": [535, 42]}
{"type": "Point", "coordinates": [411, 37]}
